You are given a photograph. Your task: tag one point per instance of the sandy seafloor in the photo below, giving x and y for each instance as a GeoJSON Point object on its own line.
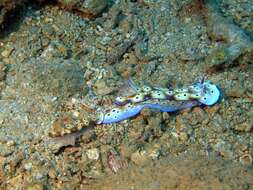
{"type": "Point", "coordinates": [51, 56]}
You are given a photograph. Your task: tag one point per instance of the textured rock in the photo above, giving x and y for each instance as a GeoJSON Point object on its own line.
{"type": "Point", "coordinates": [7, 6]}
{"type": "Point", "coordinates": [90, 8]}
{"type": "Point", "coordinates": [55, 77]}
{"type": "Point", "coordinates": [54, 55]}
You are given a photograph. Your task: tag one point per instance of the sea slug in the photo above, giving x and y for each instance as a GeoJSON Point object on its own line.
{"type": "Point", "coordinates": [163, 99]}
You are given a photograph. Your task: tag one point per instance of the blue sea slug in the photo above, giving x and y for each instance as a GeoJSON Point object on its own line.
{"type": "Point", "coordinates": [162, 99]}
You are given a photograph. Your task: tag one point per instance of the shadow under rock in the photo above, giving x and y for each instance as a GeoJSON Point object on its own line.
{"type": "Point", "coordinates": [14, 17]}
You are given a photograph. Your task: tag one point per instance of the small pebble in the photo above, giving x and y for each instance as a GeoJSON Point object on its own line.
{"type": "Point", "coordinates": [244, 127]}
{"type": "Point", "coordinates": [35, 187]}
{"type": "Point", "coordinates": [165, 116]}
{"type": "Point", "coordinates": [7, 52]}
{"type": "Point", "coordinates": [93, 154]}
{"type": "Point", "coordinates": [52, 174]}
{"type": "Point", "coordinates": [101, 88]}
{"type": "Point", "coordinates": [10, 143]}
{"type": "Point", "coordinates": [183, 136]}
{"type": "Point", "coordinates": [76, 114]}
{"type": "Point", "coordinates": [246, 159]}
{"type": "Point", "coordinates": [39, 176]}
{"type": "Point", "coordinates": [139, 157]}
{"type": "Point", "coordinates": [28, 166]}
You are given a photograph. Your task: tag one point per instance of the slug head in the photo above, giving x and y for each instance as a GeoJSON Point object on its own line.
{"type": "Point", "coordinates": [210, 93]}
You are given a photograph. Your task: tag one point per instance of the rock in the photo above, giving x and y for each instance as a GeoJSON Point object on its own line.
{"type": "Point", "coordinates": [7, 51]}
{"type": "Point", "coordinates": [54, 77]}
{"type": "Point", "coordinates": [89, 8]}
{"type": "Point", "coordinates": [55, 49]}
{"type": "Point", "coordinates": [39, 176]}
{"type": "Point", "coordinates": [2, 71]}
{"type": "Point", "coordinates": [139, 158]}
{"type": "Point", "coordinates": [57, 127]}
{"type": "Point", "coordinates": [5, 150]}
{"type": "Point", "coordinates": [2, 162]}
{"type": "Point", "coordinates": [183, 137]}
{"type": "Point", "coordinates": [7, 6]}
{"type": "Point", "coordinates": [93, 154]}
{"type": "Point", "coordinates": [137, 129]}
{"type": "Point", "coordinates": [13, 162]}
{"type": "Point", "coordinates": [246, 159]}
{"type": "Point", "coordinates": [52, 174]}
{"type": "Point", "coordinates": [10, 143]}
{"type": "Point", "coordinates": [36, 186]}
{"type": "Point", "coordinates": [56, 143]}
{"type": "Point", "coordinates": [28, 166]}
{"type": "Point", "coordinates": [219, 28]}
{"type": "Point", "coordinates": [181, 123]}
{"type": "Point", "coordinates": [165, 116]}
{"type": "Point", "coordinates": [154, 152]}
{"type": "Point", "coordinates": [146, 112]}
{"type": "Point", "coordinates": [141, 48]}
{"type": "Point", "coordinates": [224, 149]}
{"type": "Point", "coordinates": [116, 162]}
{"type": "Point", "coordinates": [105, 40]}
{"type": "Point", "coordinates": [236, 92]}
{"type": "Point", "coordinates": [101, 88]}
{"type": "Point", "coordinates": [244, 127]}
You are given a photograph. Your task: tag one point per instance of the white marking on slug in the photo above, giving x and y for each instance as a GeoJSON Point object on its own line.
{"type": "Point", "coordinates": [137, 98]}
{"type": "Point", "coordinates": [146, 88]}
{"type": "Point", "coordinates": [196, 88]}
{"type": "Point", "coordinates": [180, 90]}
{"type": "Point", "coordinates": [169, 92]}
{"type": "Point", "coordinates": [182, 96]}
{"type": "Point", "coordinates": [157, 94]}
{"type": "Point", "coordinates": [120, 99]}
{"type": "Point", "coordinates": [195, 95]}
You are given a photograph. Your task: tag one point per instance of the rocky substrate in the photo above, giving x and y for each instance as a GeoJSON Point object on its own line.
{"type": "Point", "coordinates": [58, 65]}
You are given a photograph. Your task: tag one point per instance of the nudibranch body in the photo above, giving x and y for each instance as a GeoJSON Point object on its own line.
{"type": "Point", "coordinates": [165, 100]}
{"type": "Point", "coordinates": [119, 113]}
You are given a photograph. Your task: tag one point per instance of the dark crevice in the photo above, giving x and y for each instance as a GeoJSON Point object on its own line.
{"type": "Point", "coordinates": [11, 22]}
{"type": "Point", "coordinates": [14, 17]}
{"type": "Point", "coordinates": [76, 10]}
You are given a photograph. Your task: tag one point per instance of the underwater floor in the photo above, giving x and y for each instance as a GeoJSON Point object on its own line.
{"type": "Point", "coordinates": [64, 63]}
